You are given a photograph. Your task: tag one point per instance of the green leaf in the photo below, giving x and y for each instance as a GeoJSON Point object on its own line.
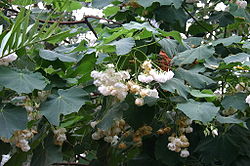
{"type": "Point", "coordinates": [101, 3]}
{"type": "Point", "coordinates": [196, 28]}
{"type": "Point", "coordinates": [196, 80]}
{"type": "Point", "coordinates": [169, 46]}
{"type": "Point", "coordinates": [47, 153]}
{"type": "Point", "coordinates": [241, 57]}
{"type": "Point", "coordinates": [65, 102]}
{"type": "Point", "coordinates": [147, 3]}
{"type": "Point", "coordinates": [139, 26]}
{"type": "Point", "coordinates": [228, 119]}
{"type": "Point", "coordinates": [189, 56]}
{"type": "Point", "coordinates": [202, 111]}
{"type": "Point", "coordinates": [23, 2]}
{"type": "Point", "coordinates": [201, 94]}
{"type": "Point", "coordinates": [114, 113]}
{"type": "Point", "coordinates": [175, 34]}
{"type": "Point", "coordinates": [52, 56]}
{"type": "Point", "coordinates": [12, 119]}
{"type": "Point", "coordinates": [17, 159]}
{"type": "Point", "coordinates": [112, 10]}
{"type": "Point", "coordinates": [223, 148]}
{"type": "Point", "coordinates": [124, 46]}
{"type": "Point", "coordinates": [224, 18]}
{"type": "Point", "coordinates": [21, 81]}
{"type": "Point", "coordinates": [227, 41]}
{"type": "Point", "coordinates": [236, 101]}
{"type": "Point", "coordinates": [176, 85]}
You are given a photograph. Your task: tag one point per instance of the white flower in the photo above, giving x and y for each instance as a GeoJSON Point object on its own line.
{"type": "Point", "coordinates": [115, 140]}
{"type": "Point", "coordinates": [93, 124]}
{"type": "Point", "coordinates": [248, 100]}
{"type": "Point", "coordinates": [189, 129]}
{"type": "Point", "coordinates": [161, 76]}
{"type": "Point", "coordinates": [147, 65]}
{"type": "Point", "coordinates": [104, 90]}
{"type": "Point", "coordinates": [139, 101]}
{"type": "Point", "coordinates": [61, 138]}
{"type": "Point", "coordinates": [145, 78]}
{"type": "Point", "coordinates": [110, 66]}
{"type": "Point", "coordinates": [241, 4]}
{"type": "Point", "coordinates": [96, 136]}
{"type": "Point", "coordinates": [108, 139]}
{"type": "Point", "coordinates": [215, 132]}
{"type": "Point", "coordinates": [184, 153]}
{"type": "Point", "coordinates": [153, 93]}
{"type": "Point", "coordinates": [135, 88]}
{"type": "Point", "coordinates": [5, 158]}
{"type": "Point", "coordinates": [220, 7]}
{"type": "Point", "coordinates": [171, 146]}
{"type": "Point", "coordinates": [8, 59]}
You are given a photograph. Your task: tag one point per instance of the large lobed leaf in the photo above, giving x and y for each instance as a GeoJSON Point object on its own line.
{"type": "Point", "coordinates": [64, 102]}
{"type": "Point", "coordinates": [52, 56]}
{"type": "Point", "coordinates": [21, 81]}
{"type": "Point", "coordinates": [11, 119]}
{"type": "Point", "coordinates": [196, 80]}
{"type": "Point", "coordinates": [124, 46]}
{"type": "Point", "coordinates": [202, 111]}
{"type": "Point", "coordinates": [189, 56]}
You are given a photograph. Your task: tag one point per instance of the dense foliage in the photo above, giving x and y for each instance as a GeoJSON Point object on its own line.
{"type": "Point", "coordinates": [162, 82]}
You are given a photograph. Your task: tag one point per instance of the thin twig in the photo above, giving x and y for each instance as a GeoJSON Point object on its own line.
{"type": "Point", "coordinates": [205, 28]}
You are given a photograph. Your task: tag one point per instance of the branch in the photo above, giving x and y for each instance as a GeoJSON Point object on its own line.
{"type": "Point", "coordinates": [77, 164]}
{"type": "Point", "coordinates": [81, 21]}
{"type": "Point", "coordinates": [90, 27]}
{"type": "Point", "coordinates": [205, 28]}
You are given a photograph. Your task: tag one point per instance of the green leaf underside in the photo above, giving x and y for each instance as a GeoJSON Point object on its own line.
{"type": "Point", "coordinates": [202, 111]}
{"type": "Point", "coordinates": [241, 57]}
{"type": "Point", "coordinates": [189, 56]}
{"type": "Point", "coordinates": [228, 41]}
{"type": "Point", "coordinates": [196, 80]}
{"type": "Point", "coordinates": [65, 102]}
{"type": "Point", "coordinates": [52, 56]}
{"type": "Point", "coordinates": [228, 119]}
{"type": "Point", "coordinates": [21, 81]}
{"type": "Point", "coordinates": [124, 46]}
{"type": "Point", "coordinates": [176, 85]}
{"type": "Point", "coordinates": [12, 119]}
{"type": "Point", "coordinates": [236, 101]}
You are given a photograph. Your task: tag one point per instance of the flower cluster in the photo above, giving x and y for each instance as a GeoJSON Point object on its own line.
{"type": "Point", "coordinates": [111, 135]}
{"type": "Point", "coordinates": [139, 133]}
{"type": "Point", "coordinates": [149, 74]}
{"type": "Point", "coordinates": [241, 4]}
{"type": "Point", "coordinates": [8, 59]}
{"type": "Point", "coordinates": [142, 92]}
{"type": "Point", "coordinates": [59, 136]}
{"type": "Point", "coordinates": [162, 131]}
{"type": "Point", "coordinates": [184, 125]}
{"type": "Point", "coordinates": [179, 144]}
{"type": "Point", "coordinates": [248, 100]}
{"type": "Point", "coordinates": [21, 137]}
{"type": "Point", "coordinates": [110, 82]}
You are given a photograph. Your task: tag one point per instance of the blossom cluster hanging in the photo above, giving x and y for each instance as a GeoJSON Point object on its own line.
{"type": "Point", "coordinates": [118, 83]}
{"type": "Point", "coordinates": [111, 135]}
